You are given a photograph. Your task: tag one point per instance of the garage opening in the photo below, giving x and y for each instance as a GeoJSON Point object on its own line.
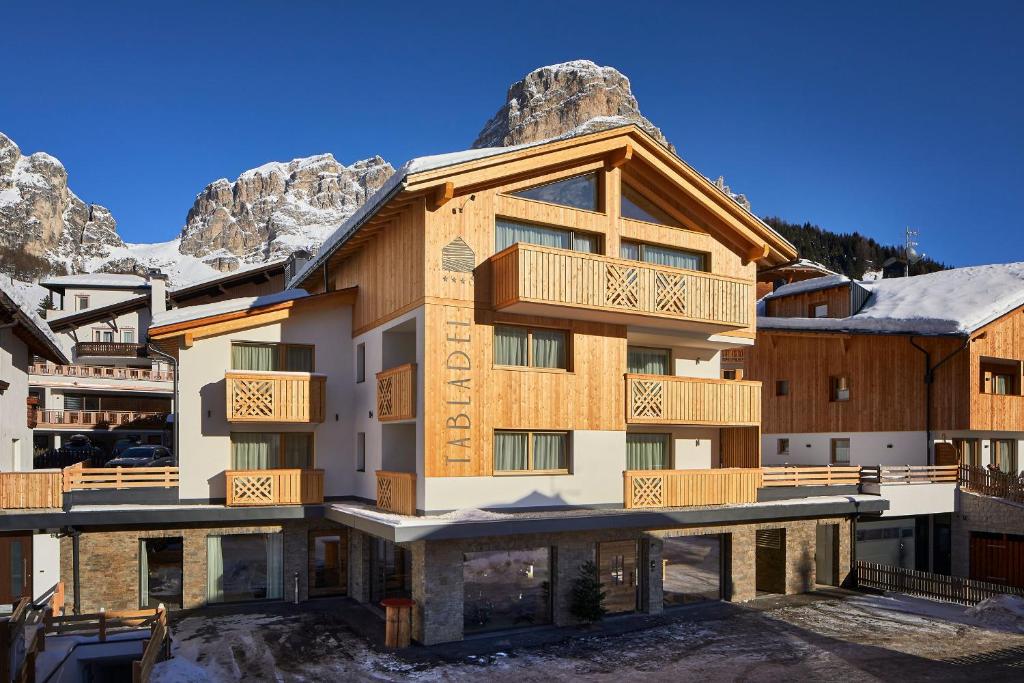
{"type": "Point", "coordinates": [691, 569]}
{"type": "Point", "coordinates": [771, 560]}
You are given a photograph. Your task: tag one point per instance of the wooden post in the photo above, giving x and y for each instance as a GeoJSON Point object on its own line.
{"type": "Point", "coordinates": [103, 625]}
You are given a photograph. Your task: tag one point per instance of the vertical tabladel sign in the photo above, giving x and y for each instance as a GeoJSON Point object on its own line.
{"type": "Point", "coordinates": [459, 453]}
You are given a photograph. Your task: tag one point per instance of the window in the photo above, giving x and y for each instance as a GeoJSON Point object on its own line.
{"type": "Point", "coordinates": [269, 357]}
{"type": "Point", "coordinates": [638, 208]}
{"type": "Point", "coordinates": [361, 452]}
{"type": "Point", "coordinates": [1004, 455]}
{"type": "Point", "coordinates": [647, 451]}
{"type": "Point", "coordinates": [506, 589]}
{"type": "Point", "coordinates": [1000, 377]}
{"type": "Point", "coordinates": [782, 387]}
{"type": "Point", "coordinates": [160, 572]}
{"type": "Point", "coordinates": [579, 192]}
{"type": "Point", "coordinates": [103, 335]}
{"type": "Point", "coordinates": [662, 256]}
{"type": "Point", "coordinates": [840, 452]}
{"type": "Point", "coordinates": [360, 363]}
{"type": "Point", "coordinates": [840, 389]}
{"type": "Point", "coordinates": [819, 310]}
{"type": "Point", "coordinates": [244, 567]}
{"type": "Point", "coordinates": [328, 563]}
{"type": "Point", "coordinates": [730, 374]}
{"type": "Point", "coordinates": [545, 452]}
{"type": "Point", "coordinates": [530, 347]}
{"type": "Point", "coordinates": [782, 447]}
{"type": "Point", "coordinates": [81, 302]}
{"type": "Point", "coordinates": [128, 336]}
{"type": "Point", "coordinates": [968, 451]}
{"type": "Point", "coordinates": [644, 361]}
{"type": "Point", "coordinates": [267, 451]}
{"type": "Point", "coordinates": [507, 233]}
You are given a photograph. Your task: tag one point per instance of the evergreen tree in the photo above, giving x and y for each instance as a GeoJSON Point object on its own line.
{"type": "Point", "coordinates": [586, 602]}
{"type": "Point", "coordinates": [46, 305]}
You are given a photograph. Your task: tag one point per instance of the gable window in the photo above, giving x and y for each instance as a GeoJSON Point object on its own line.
{"type": "Point", "coordinates": [782, 447]}
{"type": "Point", "coordinates": [81, 302]}
{"type": "Point", "coordinates": [538, 452]}
{"type": "Point", "coordinates": [530, 347]}
{"type": "Point", "coordinates": [840, 452]}
{"type": "Point", "coordinates": [578, 192]}
{"type": "Point", "coordinates": [819, 310]}
{"type": "Point", "coordinates": [267, 357]}
{"type": "Point", "coordinates": [647, 451]}
{"type": "Point", "coordinates": [360, 363]}
{"type": "Point", "coordinates": [782, 387]}
{"type": "Point", "coordinates": [662, 256]}
{"type": "Point", "coordinates": [1004, 455]}
{"type": "Point", "coordinates": [644, 361]}
{"type": "Point", "coordinates": [267, 451]}
{"type": "Point", "coordinates": [840, 389]}
{"type": "Point", "coordinates": [638, 208]}
{"type": "Point", "coordinates": [507, 233]}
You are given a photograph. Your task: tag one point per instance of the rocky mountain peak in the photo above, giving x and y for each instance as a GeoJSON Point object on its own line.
{"type": "Point", "coordinates": [570, 98]}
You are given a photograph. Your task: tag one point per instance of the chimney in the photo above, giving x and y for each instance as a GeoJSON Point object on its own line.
{"type": "Point", "coordinates": [157, 291]}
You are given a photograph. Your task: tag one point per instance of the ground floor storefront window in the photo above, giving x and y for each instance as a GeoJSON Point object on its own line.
{"type": "Point", "coordinates": [506, 589]}
{"type": "Point", "coordinates": [328, 563]}
{"type": "Point", "coordinates": [160, 572]}
{"type": "Point", "coordinates": [244, 567]}
{"type": "Point", "coordinates": [691, 569]}
{"type": "Point", "coordinates": [390, 571]}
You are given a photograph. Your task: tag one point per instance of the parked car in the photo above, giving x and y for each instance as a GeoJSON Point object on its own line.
{"type": "Point", "coordinates": [121, 445]}
{"type": "Point", "coordinates": [143, 456]}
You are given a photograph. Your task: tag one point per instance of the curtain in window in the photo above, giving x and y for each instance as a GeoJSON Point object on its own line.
{"type": "Point", "coordinates": [647, 361]}
{"type": "Point", "coordinates": [508, 233]}
{"type": "Point", "coordinates": [298, 359]}
{"type": "Point", "coordinates": [586, 243]}
{"type": "Point", "coordinates": [630, 250]}
{"type": "Point", "coordinates": [214, 569]}
{"type": "Point", "coordinates": [1005, 456]}
{"type": "Point", "coordinates": [509, 345]}
{"type": "Point", "coordinates": [275, 567]}
{"type": "Point", "coordinates": [143, 575]}
{"type": "Point", "coordinates": [254, 451]}
{"type": "Point", "coordinates": [128, 336]}
{"type": "Point", "coordinates": [674, 258]}
{"type": "Point", "coordinates": [261, 357]}
{"type": "Point", "coordinates": [548, 349]}
{"type": "Point", "coordinates": [646, 451]}
{"type": "Point", "coordinates": [297, 451]}
{"type": "Point", "coordinates": [510, 451]}
{"type": "Point", "coordinates": [549, 452]}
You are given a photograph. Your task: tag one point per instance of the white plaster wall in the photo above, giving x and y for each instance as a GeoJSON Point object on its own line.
{"type": "Point", "coordinates": [696, 362]}
{"type": "Point", "coordinates": [15, 436]}
{"type": "Point", "coordinates": [45, 564]}
{"type": "Point", "coordinates": [866, 448]}
{"type": "Point", "coordinates": [205, 443]}
{"type": "Point", "coordinates": [135, 320]}
{"type": "Point", "coordinates": [97, 298]}
{"type": "Point", "coordinates": [915, 499]}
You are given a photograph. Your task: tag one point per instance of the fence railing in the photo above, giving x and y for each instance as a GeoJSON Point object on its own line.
{"type": "Point", "coordinates": [154, 649]}
{"type": "Point", "coordinates": [274, 487]}
{"type": "Point", "coordinates": [113, 349]}
{"type": "Point", "coordinates": [101, 372]}
{"type": "Point", "coordinates": [912, 582]}
{"type": "Point", "coordinates": [683, 488]}
{"type": "Point", "coordinates": [96, 418]}
{"type": "Point", "coordinates": [811, 476]}
{"type": "Point", "coordinates": [31, 490]}
{"type": "Point", "coordinates": [992, 483]}
{"type": "Point", "coordinates": [662, 399]}
{"type": "Point", "coordinates": [78, 477]}
{"type": "Point", "coordinates": [396, 492]}
{"type": "Point", "coordinates": [396, 393]}
{"type": "Point", "coordinates": [908, 474]}
{"type": "Point", "coordinates": [275, 396]}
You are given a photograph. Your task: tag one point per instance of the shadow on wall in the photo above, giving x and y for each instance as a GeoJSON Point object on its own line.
{"type": "Point", "coordinates": [213, 409]}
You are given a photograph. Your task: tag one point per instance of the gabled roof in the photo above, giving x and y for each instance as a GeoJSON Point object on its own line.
{"type": "Point", "coordinates": [801, 265]}
{"type": "Point", "coordinates": [812, 285]}
{"type": "Point", "coordinates": [98, 313]}
{"type": "Point", "coordinates": [217, 283]}
{"type": "Point", "coordinates": [445, 175]}
{"type": "Point", "coordinates": [95, 281]}
{"type": "Point", "coordinates": [956, 302]}
{"type": "Point", "coordinates": [28, 326]}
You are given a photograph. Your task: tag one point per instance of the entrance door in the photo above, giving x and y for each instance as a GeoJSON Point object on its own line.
{"type": "Point", "coordinates": [826, 554]}
{"type": "Point", "coordinates": [15, 567]}
{"type": "Point", "coordinates": [617, 563]}
{"type": "Point", "coordinates": [328, 562]}
{"type": "Point", "coordinates": [390, 571]}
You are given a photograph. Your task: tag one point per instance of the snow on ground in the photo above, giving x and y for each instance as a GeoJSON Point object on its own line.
{"type": "Point", "coordinates": [800, 638]}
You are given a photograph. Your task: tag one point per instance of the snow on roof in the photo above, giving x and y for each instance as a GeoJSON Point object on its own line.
{"type": "Point", "coordinates": [238, 272]}
{"type": "Point", "coordinates": [812, 285]}
{"type": "Point", "coordinates": [189, 313]}
{"type": "Point", "coordinates": [96, 280]}
{"type": "Point", "coordinates": [948, 302]}
{"type": "Point", "coordinates": [34, 323]}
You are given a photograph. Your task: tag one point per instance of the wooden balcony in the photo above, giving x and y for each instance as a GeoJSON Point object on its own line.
{"type": "Point", "coordinates": [275, 396]}
{"type": "Point", "coordinates": [110, 349]}
{"type": "Point", "coordinates": [274, 487]}
{"type": "Point", "coordinates": [396, 393]}
{"type": "Point", "coordinates": [542, 281]}
{"type": "Point", "coordinates": [99, 419]}
{"type": "Point", "coordinates": [684, 488]}
{"type": "Point", "coordinates": [396, 492]}
{"type": "Point", "coordinates": [100, 372]}
{"type": "Point", "coordinates": [671, 400]}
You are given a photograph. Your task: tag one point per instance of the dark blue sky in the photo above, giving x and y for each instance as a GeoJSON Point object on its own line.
{"type": "Point", "coordinates": [864, 118]}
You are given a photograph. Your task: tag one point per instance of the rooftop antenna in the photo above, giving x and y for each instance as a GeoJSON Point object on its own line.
{"type": "Point", "coordinates": [910, 250]}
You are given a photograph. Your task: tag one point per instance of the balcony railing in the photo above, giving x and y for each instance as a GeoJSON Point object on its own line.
{"type": "Point", "coordinates": [99, 418]}
{"type": "Point", "coordinates": [989, 483]}
{"type": "Point", "coordinates": [528, 274]}
{"type": "Point", "coordinates": [275, 396]}
{"type": "Point", "coordinates": [811, 476]}
{"type": "Point", "coordinates": [396, 492]}
{"type": "Point", "coordinates": [908, 474]}
{"type": "Point", "coordinates": [112, 349]}
{"type": "Point", "coordinates": [100, 372]}
{"type": "Point", "coordinates": [684, 488]}
{"type": "Point", "coordinates": [396, 393]}
{"type": "Point", "coordinates": [662, 399]}
{"type": "Point", "coordinates": [77, 477]}
{"type": "Point", "coordinates": [274, 487]}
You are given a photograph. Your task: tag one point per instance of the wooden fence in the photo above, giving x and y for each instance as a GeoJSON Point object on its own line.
{"type": "Point", "coordinates": [31, 490]}
{"type": "Point", "coordinates": [811, 476]}
{"type": "Point", "coordinates": [682, 488]}
{"type": "Point", "coordinates": [908, 474]}
{"type": "Point", "coordinates": [992, 483]}
{"type": "Point", "coordinates": [78, 477]}
{"type": "Point", "coordinates": [912, 582]}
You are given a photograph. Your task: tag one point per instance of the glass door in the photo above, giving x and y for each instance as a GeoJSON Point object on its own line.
{"type": "Point", "coordinates": [328, 563]}
{"type": "Point", "coordinates": [390, 571]}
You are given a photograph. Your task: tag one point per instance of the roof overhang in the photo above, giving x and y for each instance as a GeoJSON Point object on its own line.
{"type": "Point", "coordinates": [92, 315]}
{"type": "Point", "coordinates": [214, 286]}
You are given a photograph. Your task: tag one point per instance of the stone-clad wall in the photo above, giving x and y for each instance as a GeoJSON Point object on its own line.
{"type": "Point", "coordinates": [980, 513]}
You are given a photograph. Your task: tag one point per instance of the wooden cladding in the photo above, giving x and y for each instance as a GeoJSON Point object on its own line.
{"type": "Point", "coordinates": [77, 477]}
{"type": "Point", "coordinates": [525, 273]}
{"type": "Point", "coordinates": [396, 492]}
{"type": "Point", "coordinates": [683, 488]}
{"type": "Point", "coordinates": [274, 487]}
{"type": "Point", "coordinates": [396, 393]}
{"type": "Point", "coordinates": [668, 400]}
{"type": "Point", "coordinates": [275, 397]}
{"type": "Point", "coordinates": [30, 490]}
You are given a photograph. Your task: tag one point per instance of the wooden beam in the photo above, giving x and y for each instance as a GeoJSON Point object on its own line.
{"type": "Point", "coordinates": [187, 341]}
{"type": "Point", "coordinates": [619, 157]}
{"type": "Point", "coordinates": [756, 253]}
{"type": "Point", "coordinates": [443, 194]}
